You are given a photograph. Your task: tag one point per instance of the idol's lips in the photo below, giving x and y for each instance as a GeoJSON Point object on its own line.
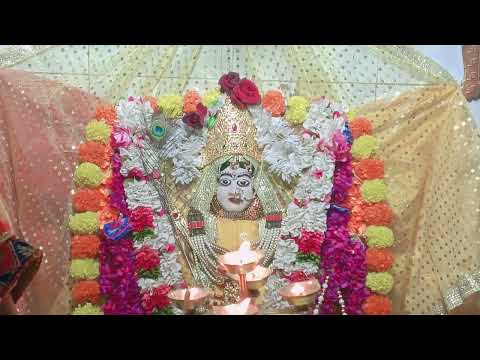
{"type": "Point", "coordinates": [234, 200]}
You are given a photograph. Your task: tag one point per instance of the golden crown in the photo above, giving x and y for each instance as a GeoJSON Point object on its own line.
{"type": "Point", "coordinates": [234, 133]}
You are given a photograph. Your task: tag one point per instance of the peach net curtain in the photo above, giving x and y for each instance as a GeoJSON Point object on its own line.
{"type": "Point", "coordinates": [41, 125]}
{"type": "Point", "coordinates": [429, 142]}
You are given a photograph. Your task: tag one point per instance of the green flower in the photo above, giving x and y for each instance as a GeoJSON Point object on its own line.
{"type": "Point", "coordinates": [85, 269]}
{"type": "Point", "coordinates": [88, 175]}
{"type": "Point", "coordinates": [171, 106]}
{"type": "Point", "coordinates": [374, 190]}
{"type": "Point", "coordinates": [97, 131]}
{"type": "Point", "coordinates": [84, 223]}
{"type": "Point", "coordinates": [364, 147]}
{"type": "Point", "coordinates": [87, 309]}
{"type": "Point", "coordinates": [381, 282]}
{"type": "Point", "coordinates": [211, 97]}
{"type": "Point", "coordinates": [379, 236]}
{"type": "Point", "coordinates": [297, 110]}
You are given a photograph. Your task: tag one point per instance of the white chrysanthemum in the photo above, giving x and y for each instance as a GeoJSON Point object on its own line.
{"type": "Point", "coordinates": [285, 255]}
{"type": "Point", "coordinates": [307, 267]}
{"type": "Point", "coordinates": [320, 120]}
{"type": "Point", "coordinates": [273, 299]}
{"type": "Point", "coordinates": [170, 269]}
{"type": "Point", "coordinates": [133, 114]}
{"type": "Point", "coordinates": [185, 150]}
{"type": "Point", "coordinates": [317, 183]}
{"type": "Point", "coordinates": [293, 222]}
{"type": "Point", "coordinates": [141, 193]}
{"type": "Point", "coordinates": [148, 284]}
{"type": "Point", "coordinates": [316, 216]}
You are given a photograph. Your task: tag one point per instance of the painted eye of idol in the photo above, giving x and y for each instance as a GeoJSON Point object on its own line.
{"type": "Point", "coordinates": [225, 180]}
{"type": "Point", "coordinates": [235, 189]}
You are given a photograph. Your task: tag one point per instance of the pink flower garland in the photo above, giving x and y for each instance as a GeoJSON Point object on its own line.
{"type": "Point", "coordinates": [343, 260]}
{"type": "Point", "coordinates": [117, 257]}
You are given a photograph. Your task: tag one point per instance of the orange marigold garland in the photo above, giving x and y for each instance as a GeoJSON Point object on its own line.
{"type": "Point", "coordinates": [93, 200]}
{"type": "Point", "coordinates": [377, 214]}
{"type": "Point", "coordinates": [274, 102]}
{"type": "Point", "coordinates": [377, 305]}
{"type": "Point", "coordinates": [89, 200]}
{"type": "Point", "coordinates": [364, 214]}
{"type": "Point", "coordinates": [190, 101]}
{"type": "Point", "coordinates": [86, 291]}
{"type": "Point", "coordinates": [106, 113]}
{"type": "Point", "coordinates": [379, 260]}
{"type": "Point", "coordinates": [360, 126]}
{"type": "Point", "coordinates": [369, 169]}
{"type": "Point", "coordinates": [85, 246]}
{"type": "Point", "coordinates": [96, 153]}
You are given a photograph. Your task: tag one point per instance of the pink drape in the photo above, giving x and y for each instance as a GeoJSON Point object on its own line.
{"type": "Point", "coordinates": [41, 124]}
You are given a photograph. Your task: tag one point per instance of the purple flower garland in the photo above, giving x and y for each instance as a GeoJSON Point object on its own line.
{"type": "Point", "coordinates": [343, 259]}
{"type": "Point", "coordinates": [118, 282]}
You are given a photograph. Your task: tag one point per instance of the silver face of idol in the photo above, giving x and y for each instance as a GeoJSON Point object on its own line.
{"type": "Point", "coordinates": [235, 189]}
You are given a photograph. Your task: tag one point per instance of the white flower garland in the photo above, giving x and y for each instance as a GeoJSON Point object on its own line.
{"type": "Point", "coordinates": [132, 115]}
{"type": "Point", "coordinates": [308, 211]}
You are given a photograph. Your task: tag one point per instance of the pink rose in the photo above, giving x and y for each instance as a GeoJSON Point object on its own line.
{"type": "Point", "coordinates": [122, 137]}
{"type": "Point", "coordinates": [245, 93]}
{"type": "Point", "coordinates": [170, 248]}
{"type": "Point", "coordinates": [228, 81]}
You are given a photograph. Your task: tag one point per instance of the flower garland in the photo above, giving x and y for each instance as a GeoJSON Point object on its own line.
{"type": "Point", "coordinates": [371, 216]}
{"type": "Point", "coordinates": [344, 268]}
{"type": "Point", "coordinates": [335, 203]}
{"type": "Point", "coordinates": [154, 266]}
{"type": "Point", "coordinates": [299, 251]}
{"type": "Point", "coordinates": [91, 211]}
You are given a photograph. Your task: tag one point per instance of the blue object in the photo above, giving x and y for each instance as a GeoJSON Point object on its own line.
{"type": "Point", "coordinates": [347, 133]}
{"type": "Point", "coordinates": [117, 230]}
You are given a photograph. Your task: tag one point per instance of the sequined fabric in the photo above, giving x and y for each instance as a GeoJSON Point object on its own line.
{"type": "Point", "coordinates": [41, 124]}
{"type": "Point", "coordinates": [431, 149]}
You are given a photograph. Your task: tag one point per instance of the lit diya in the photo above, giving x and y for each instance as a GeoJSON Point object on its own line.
{"type": "Point", "coordinates": [241, 262]}
{"type": "Point", "coordinates": [245, 307]}
{"type": "Point", "coordinates": [300, 293]}
{"type": "Point", "coordinates": [188, 299]}
{"type": "Point", "coordinates": [255, 279]}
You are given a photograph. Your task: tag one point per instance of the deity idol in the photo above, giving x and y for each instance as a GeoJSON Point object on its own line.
{"type": "Point", "coordinates": [234, 200]}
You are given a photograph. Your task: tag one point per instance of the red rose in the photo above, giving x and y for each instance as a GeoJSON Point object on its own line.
{"type": "Point", "coordinates": [157, 299]}
{"type": "Point", "coordinates": [228, 81]}
{"type": "Point", "coordinates": [310, 242]}
{"type": "Point", "coordinates": [196, 119]}
{"type": "Point", "coordinates": [146, 259]}
{"type": "Point", "coordinates": [245, 93]}
{"type": "Point", "coordinates": [141, 218]}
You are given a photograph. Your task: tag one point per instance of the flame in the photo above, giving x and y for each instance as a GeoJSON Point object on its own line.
{"type": "Point", "coordinates": [297, 289]}
{"type": "Point", "coordinates": [242, 256]}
